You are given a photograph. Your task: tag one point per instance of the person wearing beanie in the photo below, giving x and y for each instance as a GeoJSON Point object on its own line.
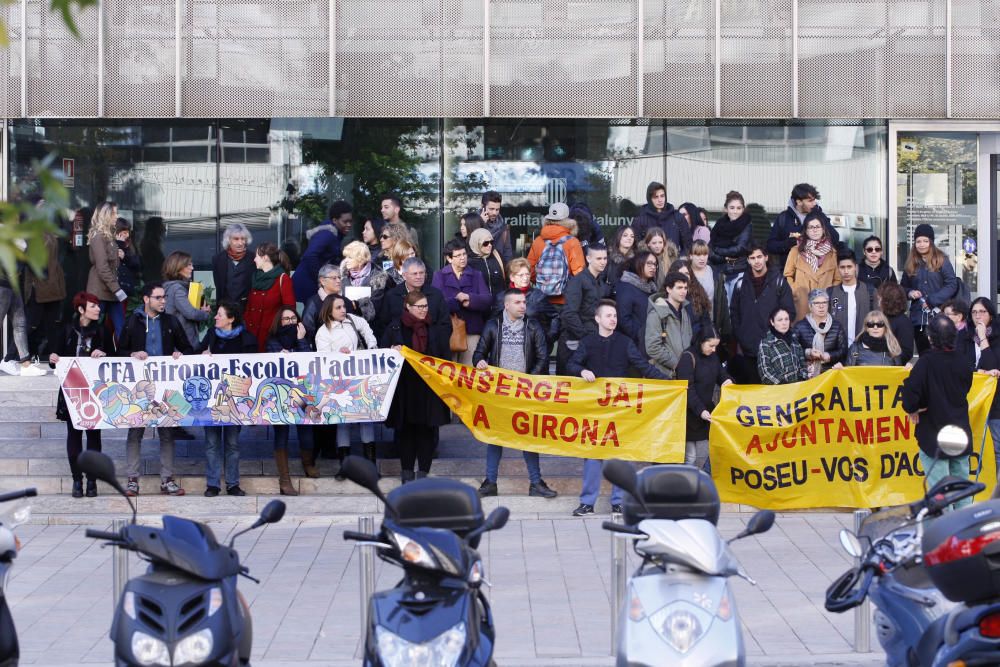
{"type": "Point", "coordinates": [929, 280]}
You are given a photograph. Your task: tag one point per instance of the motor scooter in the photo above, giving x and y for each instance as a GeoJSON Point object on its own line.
{"type": "Point", "coordinates": [10, 545]}
{"type": "Point", "coordinates": [185, 609]}
{"type": "Point", "coordinates": [437, 614]}
{"type": "Point", "coordinates": [679, 609]}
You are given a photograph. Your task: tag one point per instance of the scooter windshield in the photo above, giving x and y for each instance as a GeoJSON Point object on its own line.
{"type": "Point", "coordinates": [879, 524]}
{"type": "Point", "coordinates": [186, 545]}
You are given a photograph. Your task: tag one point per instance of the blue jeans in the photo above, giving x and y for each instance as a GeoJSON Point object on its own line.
{"type": "Point", "coordinates": [114, 311]}
{"type": "Point", "coordinates": [994, 425]}
{"type": "Point", "coordinates": [305, 434]}
{"type": "Point", "coordinates": [591, 487]}
{"type": "Point", "coordinates": [493, 455]}
{"type": "Point", "coordinates": [936, 471]}
{"type": "Point", "coordinates": [214, 435]}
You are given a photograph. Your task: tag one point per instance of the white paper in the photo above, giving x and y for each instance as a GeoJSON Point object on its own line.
{"type": "Point", "coordinates": [357, 292]}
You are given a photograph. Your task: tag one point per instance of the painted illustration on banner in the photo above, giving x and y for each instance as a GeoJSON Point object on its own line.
{"type": "Point", "coordinates": [219, 390]}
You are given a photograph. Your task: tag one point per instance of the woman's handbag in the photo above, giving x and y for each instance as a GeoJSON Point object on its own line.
{"type": "Point", "coordinates": [459, 341]}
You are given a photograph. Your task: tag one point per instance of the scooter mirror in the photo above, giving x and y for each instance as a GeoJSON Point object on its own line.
{"type": "Point", "coordinates": [98, 466]}
{"type": "Point", "coordinates": [497, 519]}
{"type": "Point", "coordinates": [760, 522]}
{"type": "Point", "coordinates": [361, 471]}
{"type": "Point", "coordinates": [952, 440]}
{"type": "Point", "coordinates": [851, 543]}
{"type": "Point", "coordinates": [621, 474]}
{"type": "Point", "coordinates": [272, 512]}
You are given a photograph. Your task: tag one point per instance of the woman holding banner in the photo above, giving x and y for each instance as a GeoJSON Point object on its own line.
{"type": "Point", "coordinates": [82, 337]}
{"type": "Point", "coordinates": [875, 345]}
{"type": "Point", "coordinates": [780, 359]}
{"type": "Point", "coordinates": [701, 367]}
{"type": "Point", "coordinates": [987, 349]}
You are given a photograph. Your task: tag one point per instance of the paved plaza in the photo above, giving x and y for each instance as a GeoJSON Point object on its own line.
{"type": "Point", "coordinates": [550, 592]}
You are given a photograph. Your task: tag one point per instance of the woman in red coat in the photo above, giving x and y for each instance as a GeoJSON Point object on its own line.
{"type": "Point", "coordinates": [270, 289]}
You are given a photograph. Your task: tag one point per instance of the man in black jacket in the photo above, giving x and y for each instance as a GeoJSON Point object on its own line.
{"type": "Point", "coordinates": [790, 224]}
{"type": "Point", "coordinates": [414, 273]}
{"type": "Point", "coordinates": [605, 354]}
{"type": "Point", "coordinates": [150, 332]}
{"type": "Point", "coordinates": [583, 292]}
{"type": "Point", "coordinates": [233, 268]}
{"type": "Point", "coordinates": [756, 293]}
{"type": "Point", "coordinates": [514, 342]}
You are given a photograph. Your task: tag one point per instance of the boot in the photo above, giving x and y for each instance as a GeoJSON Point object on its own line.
{"type": "Point", "coordinates": [77, 488]}
{"type": "Point", "coordinates": [406, 476]}
{"type": "Point", "coordinates": [91, 488]}
{"type": "Point", "coordinates": [368, 449]}
{"type": "Point", "coordinates": [309, 463]}
{"type": "Point", "coordinates": [284, 479]}
{"type": "Point", "coordinates": [341, 453]}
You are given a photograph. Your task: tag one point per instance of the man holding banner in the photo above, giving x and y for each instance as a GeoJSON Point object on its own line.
{"type": "Point", "coordinates": [605, 354]}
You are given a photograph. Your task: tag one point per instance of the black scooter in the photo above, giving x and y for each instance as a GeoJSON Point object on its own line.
{"type": "Point", "coordinates": [437, 614]}
{"type": "Point", "coordinates": [185, 610]}
{"type": "Point", "coordinates": [10, 652]}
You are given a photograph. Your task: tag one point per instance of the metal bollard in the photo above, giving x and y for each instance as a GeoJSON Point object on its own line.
{"type": "Point", "coordinates": [366, 560]}
{"type": "Point", "coordinates": [119, 564]}
{"type": "Point", "coordinates": [863, 612]}
{"type": "Point", "coordinates": [619, 577]}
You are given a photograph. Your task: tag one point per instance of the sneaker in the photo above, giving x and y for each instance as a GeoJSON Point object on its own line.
{"type": "Point", "coordinates": [132, 488]}
{"type": "Point", "coordinates": [32, 371]}
{"type": "Point", "coordinates": [235, 490]}
{"type": "Point", "coordinates": [583, 510]}
{"type": "Point", "coordinates": [212, 491]}
{"type": "Point", "coordinates": [10, 367]}
{"type": "Point", "coordinates": [488, 488]}
{"type": "Point", "coordinates": [169, 487]}
{"type": "Point", "coordinates": [542, 490]}
{"type": "Point", "coordinates": [617, 509]}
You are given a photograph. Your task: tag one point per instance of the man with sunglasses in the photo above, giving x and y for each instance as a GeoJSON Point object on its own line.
{"type": "Point", "coordinates": [873, 270]}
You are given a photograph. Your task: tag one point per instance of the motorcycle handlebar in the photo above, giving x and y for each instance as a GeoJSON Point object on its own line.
{"type": "Point", "coordinates": [359, 537]}
{"type": "Point", "coordinates": [102, 535]}
{"type": "Point", "coordinates": [846, 593]}
{"type": "Point", "coordinates": [621, 528]}
{"type": "Point", "coordinates": [15, 495]}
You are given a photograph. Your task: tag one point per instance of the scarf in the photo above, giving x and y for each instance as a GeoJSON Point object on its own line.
{"type": "Point", "coordinates": [358, 277]}
{"type": "Point", "coordinates": [978, 340]}
{"type": "Point", "coordinates": [288, 336]}
{"type": "Point", "coordinates": [726, 229]}
{"type": "Point", "coordinates": [818, 341]}
{"type": "Point", "coordinates": [263, 280]}
{"type": "Point", "coordinates": [419, 328]}
{"type": "Point", "coordinates": [645, 286]}
{"type": "Point", "coordinates": [815, 252]}
{"type": "Point", "coordinates": [787, 336]}
{"type": "Point", "coordinates": [873, 343]}
{"type": "Point", "coordinates": [85, 338]}
{"type": "Point", "coordinates": [236, 256]}
{"type": "Point", "coordinates": [524, 290]}
{"type": "Point", "coordinates": [229, 335]}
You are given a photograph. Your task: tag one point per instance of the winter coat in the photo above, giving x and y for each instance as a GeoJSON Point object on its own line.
{"type": "Point", "coordinates": [781, 361]}
{"type": "Point", "coordinates": [180, 307]}
{"type": "Point", "coordinates": [480, 299]}
{"type": "Point", "coordinates": [133, 338]}
{"type": "Point", "coordinates": [989, 359]}
{"type": "Point", "coordinates": [414, 402]}
{"type": "Point", "coordinates": [490, 268]}
{"type": "Point", "coordinates": [902, 329]}
{"type": "Point", "coordinates": [838, 306]}
{"type": "Point", "coordinates": [704, 373]}
{"type": "Point", "coordinates": [834, 343]}
{"type": "Point", "coordinates": [263, 305]}
{"type": "Point", "coordinates": [539, 308]}
{"type": "Point", "coordinates": [51, 286]}
{"type": "Point", "coordinates": [940, 381]}
{"type": "Point", "coordinates": [571, 248]}
{"type": "Point", "coordinates": [780, 243]}
{"type": "Point", "coordinates": [583, 292]}
{"type": "Point", "coordinates": [323, 248]}
{"type": "Point", "coordinates": [438, 313]}
{"type": "Point", "coordinates": [859, 355]}
{"type": "Point", "coordinates": [618, 264]}
{"type": "Point", "coordinates": [611, 357]}
{"type": "Point", "coordinates": [803, 279]}
{"type": "Point", "coordinates": [669, 220]}
{"type": "Point", "coordinates": [376, 279]}
{"type": "Point", "coordinates": [936, 287]}
{"type": "Point", "coordinates": [232, 279]}
{"type": "Point", "coordinates": [129, 268]}
{"type": "Point", "coordinates": [749, 313]}
{"type": "Point", "coordinates": [720, 305]}
{"type": "Point", "coordinates": [69, 345]}
{"type": "Point", "coordinates": [353, 333]}
{"type": "Point", "coordinates": [632, 297]}
{"type": "Point", "coordinates": [666, 335]}
{"type": "Point", "coordinates": [875, 276]}
{"type": "Point", "coordinates": [730, 245]}
{"type": "Point", "coordinates": [102, 281]}
{"type": "Point", "coordinates": [500, 231]}
{"type": "Point", "coordinates": [216, 344]}
{"type": "Point", "coordinates": [536, 347]}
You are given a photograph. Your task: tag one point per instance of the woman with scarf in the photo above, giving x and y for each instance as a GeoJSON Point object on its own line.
{"type": "Point", "coordinates": [820, 335]}
{"type": "Point", "coordinates": [811, 265]}
{"type": "Point", "coordinates": [730, 241]}
{"type": "Point", "coordinates": [702, 368]}
{"type": "Point", "coordinates": [632, 294]}
{"type": "Point", "coordinates": [358, 270]}
{"type": "Point", "coordinates": [779, 358]}
{"type": "Point", "coordinates": [620, 254]}
{"type": "Point", "coordinates": [957, 311]}
{"type": "Point", "coordinates": [229, 336]}
{"type": "Point", "coordinates": [929, 280]}
{"type": "Point", "coordinates": [82, 337]}
{"type": "Point", "coordinates": [288, 334]}
{"type": "Point", "coordinates": [875, 345]}
{"type": "Point", "coordinates": [539, 308]}
{"type": "Point", "coordinates": [713, 284]}
{"type": "Point", "coordinates": [270, 289]}
{"type": "Point", "coordinates": [416, 412]}
{"type": "Point", "coordinates": [698, 228]}
{"type": "Point", "coordinates": [485, 259]}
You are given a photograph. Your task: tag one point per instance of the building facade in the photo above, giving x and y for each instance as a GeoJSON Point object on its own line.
{"type": "Point", "coordinates": [195, 114]}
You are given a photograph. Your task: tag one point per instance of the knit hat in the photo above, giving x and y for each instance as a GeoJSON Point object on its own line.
{"type": "Point", "coordinates": [924, 230]}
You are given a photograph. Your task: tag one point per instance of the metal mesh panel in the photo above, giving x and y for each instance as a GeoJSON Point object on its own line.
{"type": "Point", "coordinates": [559, 58]}
{"type": "Point", "coordinates": [679, 59]}
{"type": "Point", "coordinates": [975, 59]}
{"type": "Point", "coordinates": [255, 58]}
{"type": "Point", "coordinates": [872, 58]}
{"type": "Point", "coordinates": [756, 59]}
{"type": "Point", "coordinates": [10, 61]}
{"type": "Point", "coordinates": [139, 58]}
{"type": "Point", "coordinates": [409, 58]}
{"type": "Point", "coordinates": [62, 70]}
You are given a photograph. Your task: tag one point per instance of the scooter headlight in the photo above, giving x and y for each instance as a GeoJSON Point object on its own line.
{"type": "Point", "coordinates": [194, 648]}
{"type": "Point", "coordinates": [681, 628]}
{"type": "Point", "coordinates": [149, 650]}
{"type": "Point", "coordinates": [442, 651]}
{"type": "Point", "coordinates": [412, 552]}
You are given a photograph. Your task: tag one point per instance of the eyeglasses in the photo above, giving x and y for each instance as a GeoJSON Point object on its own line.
{"type": "Point", "coordinates": [874, 325]}
{"type": "Point", "coordinates": [820, 303]}
{"type": "Point", "coordinates": [873, 249]}
{"type": "Point", "coordinates": [330, 276]}
{"type": "Point", "coordinates": [289, 319]}
{"type": "Point", "coordinates": [421, 306]}
{"type": "Point", "coordinates": [654, 263]}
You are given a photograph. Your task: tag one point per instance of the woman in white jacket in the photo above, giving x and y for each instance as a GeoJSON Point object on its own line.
{"type": "Point", "coordinates": [339, 331]}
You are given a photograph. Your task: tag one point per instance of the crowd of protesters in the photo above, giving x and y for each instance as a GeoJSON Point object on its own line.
{"type": "Point", "coordinates": [667, 296]}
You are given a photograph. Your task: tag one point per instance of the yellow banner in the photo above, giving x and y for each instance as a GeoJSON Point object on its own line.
{"type": "Point", "coordinates": [838, 440]}
{"type": "Point", "coordinates": [632, 419]}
